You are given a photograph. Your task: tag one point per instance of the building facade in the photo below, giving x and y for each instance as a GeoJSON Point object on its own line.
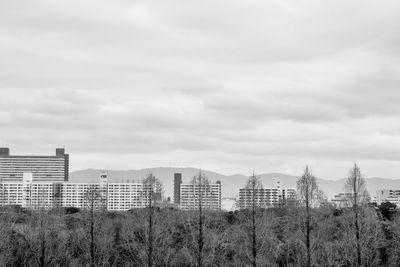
{"type": "Point", "coordinates": [265, 197]}
{"type": "Point", "coordinates": [43, 168]}
{"type": "Point", "coordinates": [206, 195]}
{"type": "Point", "coordinates": [388, 195]}
{"type": "Point", "coordinates": [126, 196]}
{"type": "Point", "coordinates": [46, 195]}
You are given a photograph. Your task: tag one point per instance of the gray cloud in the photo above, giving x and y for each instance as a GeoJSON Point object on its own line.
{"type": "Point", "coordinates": [230, 86]}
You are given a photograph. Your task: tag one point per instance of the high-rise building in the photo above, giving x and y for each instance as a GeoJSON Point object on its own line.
{"type": "Point", "coordinates": [177, 188]}
{"type": "Point", "coordinates": [43, 168]}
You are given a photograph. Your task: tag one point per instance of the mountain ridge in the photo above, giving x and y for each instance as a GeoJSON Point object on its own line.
{"type": "Point", "coordinates": [230, 183]}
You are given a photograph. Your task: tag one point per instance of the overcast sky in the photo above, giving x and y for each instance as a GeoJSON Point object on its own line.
{"type": "Point", "coordinates": [228, 86]}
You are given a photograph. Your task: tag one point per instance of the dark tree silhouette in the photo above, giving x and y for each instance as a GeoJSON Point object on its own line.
{"type": "Point", "coordinates": [388, 210]}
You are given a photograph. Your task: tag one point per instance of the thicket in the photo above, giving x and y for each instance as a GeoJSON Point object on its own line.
{"type": "Point", "coordinates": [63, 237]}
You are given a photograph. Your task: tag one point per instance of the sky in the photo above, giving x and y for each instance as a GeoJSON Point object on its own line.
{"type": "Point", "coordinates": [222, 85]}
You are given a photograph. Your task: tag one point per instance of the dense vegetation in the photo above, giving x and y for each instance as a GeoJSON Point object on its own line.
{"type": "Point", "coordinates": [62, 237]}
{"type": "Point", "coordinates": [305, 232]}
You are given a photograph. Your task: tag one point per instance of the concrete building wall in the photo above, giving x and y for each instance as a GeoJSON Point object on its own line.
{"type": "Point", "coordinates": [192, 194]}
{"type": "Point", "coordinates": [43, 168]}
{"type": "Point", "coordinates": [117, 197]}
{"type": "Point", "coordinates": [125, 196]}
{"type": "Point", "coordinates": [265, 197]}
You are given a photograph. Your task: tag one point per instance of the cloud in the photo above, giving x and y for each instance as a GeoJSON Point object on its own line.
{"type": "Point", "coordinates": [230, 86]}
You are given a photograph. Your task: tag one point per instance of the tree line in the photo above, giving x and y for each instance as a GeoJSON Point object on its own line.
{"type": "Point", "coordinates": [301, 233]}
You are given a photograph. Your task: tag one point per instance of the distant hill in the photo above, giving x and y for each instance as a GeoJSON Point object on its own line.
{"type": "Point", "coordinates": [230, 183]}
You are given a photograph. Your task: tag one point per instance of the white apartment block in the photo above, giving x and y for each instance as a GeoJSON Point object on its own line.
{"type": "Point", "coordinates": [76, 195]}
{"type": "Point", "coordinates": [208, 195]}
{"type": "Point", "coordinates": [110, 196]}
{"type": "Point", "coordinates": [12, 194]}
{"type": "Point", "coordinates": [265, 197]}
{"type": "Point", "coordinates": [125, 196]}
{"type": "Point", "coordinates": [35, 195]}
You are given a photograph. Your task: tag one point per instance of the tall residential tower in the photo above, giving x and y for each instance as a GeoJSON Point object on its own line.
{"type": "Point", "coordinates": [177, 188]}
{"type": "Point", "coordinates": [43, 168]}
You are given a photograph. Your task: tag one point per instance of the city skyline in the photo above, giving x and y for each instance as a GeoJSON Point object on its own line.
{"type": "Point", "coordinates": [199, 133]}
{"type": "Point", "coordinates": [150, 167]}
{"type": "Point", "coordinates": [230, 87]}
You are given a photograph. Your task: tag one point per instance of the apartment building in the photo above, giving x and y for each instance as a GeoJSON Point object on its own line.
{"type": "Point", "coordinates": [388, 195]}
{"type": "Point", "coordinates": [28, 194]}
{"type": "Point", "coordinates": [78, 195]}
{"type": "Point", "coordinates": [265, 197]}
{"type": "Point", "coordinates": [191, 195]}
{"type": "Point", "coordinates": [103, 195]}
{"type": "Point", "coordinates": [126, 196]}
{"type": "Point", "coordinates": [43, 168]}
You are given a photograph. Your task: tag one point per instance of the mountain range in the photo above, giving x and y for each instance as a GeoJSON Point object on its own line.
{"type": "Point", "coordinates": [230, 183]}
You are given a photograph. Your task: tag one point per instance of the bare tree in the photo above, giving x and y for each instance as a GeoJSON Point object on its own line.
{"type": "Point", "coordinates": [254, 183]}
{"type": "Point", "coordinates": [93, 201]}
{"type": "Point", "coordinates": [200, 240]}
{"type": "Point", "coordinates": [42, 232]}
{"type": "Point", "coordinates": [357, 196]}
{"type": "Point", "coordinates": [152, 193]}
{"type": "Point", "coordinates": [201, 193]}
{"type": "Point", "coordinates": [40, 207]}
{"type": "Point", "coordinates": [308, 195]}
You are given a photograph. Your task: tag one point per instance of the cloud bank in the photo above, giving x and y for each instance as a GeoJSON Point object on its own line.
{"type": "Point", "coordinates": [232, 86]}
